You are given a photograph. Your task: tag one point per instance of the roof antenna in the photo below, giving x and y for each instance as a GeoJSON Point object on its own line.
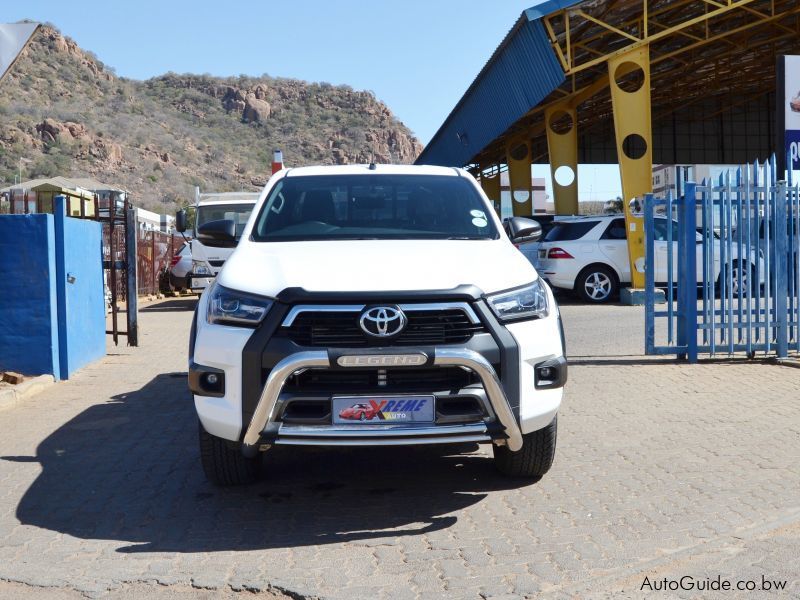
{"type": "Point", "coordinates": [372, 165]}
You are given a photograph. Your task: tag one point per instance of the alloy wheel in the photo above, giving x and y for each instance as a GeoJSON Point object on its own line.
{"type": "Point", "coordinates": [598, 286]}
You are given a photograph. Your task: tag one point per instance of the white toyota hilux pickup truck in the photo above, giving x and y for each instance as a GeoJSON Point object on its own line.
{"type": "Point", "coordinates": [375, 305]}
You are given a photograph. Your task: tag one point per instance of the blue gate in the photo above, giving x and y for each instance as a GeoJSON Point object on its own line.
{"type": "Point", "coordinates": [726, 255]}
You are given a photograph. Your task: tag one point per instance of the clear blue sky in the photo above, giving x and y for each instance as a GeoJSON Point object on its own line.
{"type": "Point", "coordinates": [417, 56]}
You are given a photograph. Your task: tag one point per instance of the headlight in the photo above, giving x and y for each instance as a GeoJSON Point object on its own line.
{"type": "Point", "coordinates": [229, 307]}
{"type": "Point", "coordinates": [529, 302]}
{"type": "Point", "coordinates": [200, 267]}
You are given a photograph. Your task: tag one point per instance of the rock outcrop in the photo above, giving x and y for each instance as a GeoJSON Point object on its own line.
{"type": "Point", "coordinates": [65, 113]}
{"type": "Point", "coordinates": [256, 110]}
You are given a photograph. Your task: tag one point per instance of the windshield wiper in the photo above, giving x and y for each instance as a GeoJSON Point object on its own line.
{"type": "Point", "coordinates": [468, 237]}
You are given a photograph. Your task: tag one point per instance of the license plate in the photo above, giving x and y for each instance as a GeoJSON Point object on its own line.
{"type": "Point", "coordinates": [382, 410]}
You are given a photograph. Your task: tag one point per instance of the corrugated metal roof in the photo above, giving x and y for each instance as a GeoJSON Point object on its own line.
{"type": "Point", "coordinates": [68, 183]}
{"type": "Point", "coordinates": [520, 74]}
{"type": "Point", "coordinates": [545, 8]}
{"type": "Point", "coordinates": [93, 185]}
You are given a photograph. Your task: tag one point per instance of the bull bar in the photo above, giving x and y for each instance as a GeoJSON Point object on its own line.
{"type": "Point", "coordinates": [266, 409]}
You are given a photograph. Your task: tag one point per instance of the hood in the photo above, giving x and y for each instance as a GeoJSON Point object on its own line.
{"type": "Point", "coordinates": [267, 268]}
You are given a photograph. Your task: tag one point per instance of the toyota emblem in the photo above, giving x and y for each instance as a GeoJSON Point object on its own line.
{"type": "Point", "coordinates": [382, 321]}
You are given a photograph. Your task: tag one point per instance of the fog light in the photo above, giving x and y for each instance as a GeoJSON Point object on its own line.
{"type": "Point", "coordinates": [213, 382]}
{"type": "Point", "coordinates": [206, 381]}
{"type": "Point", "coordinates": [551, 373]}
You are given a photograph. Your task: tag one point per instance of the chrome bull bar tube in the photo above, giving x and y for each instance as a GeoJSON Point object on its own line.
{"type": "Point", "coordinates": [443, 357]}
{"type": "Point", "coordinates": [265, 409]}
{"type": "Point", "coordinates": [461, 357]}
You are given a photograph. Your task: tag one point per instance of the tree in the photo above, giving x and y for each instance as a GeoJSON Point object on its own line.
{"type": "Point", "coordinates": [613, 207]}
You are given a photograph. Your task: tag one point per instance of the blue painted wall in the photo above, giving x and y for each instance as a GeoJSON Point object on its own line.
{"type": "Point", "coordinates": [28, 307]}
{"type": "Point", "coordinates": [80, 292]}
{"type": "Point", "coordinates": [52, 305]}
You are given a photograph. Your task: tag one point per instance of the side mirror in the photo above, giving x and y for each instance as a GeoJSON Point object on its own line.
{"type": "Point", "coordinates": [522, 230]}
{"type": "Point", "coordinates": [220, 234]}
{"type": "Point", "coordinates": [180, 221]}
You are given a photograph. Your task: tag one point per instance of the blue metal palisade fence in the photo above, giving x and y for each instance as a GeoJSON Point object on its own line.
{"type": "Point", "coordinates": [729, 265]}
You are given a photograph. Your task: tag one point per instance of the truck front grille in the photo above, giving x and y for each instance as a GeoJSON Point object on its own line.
{"type": "Point", "coordinates": [354, 381]}
{"type": "Point", "coordinates": [341, 329]}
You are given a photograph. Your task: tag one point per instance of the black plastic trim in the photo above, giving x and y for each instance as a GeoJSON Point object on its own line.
{"type": "Point", "coordinates": [196, 385]}
{"type": "Point", "coordinates": [286, 401]}
{"type": "Point", "coordinates": [192, 337]}
{"type": "Point", "coordinates": [509, 354]}
{"type": "Point", "coordinates": [280, 346]}
{"type": "Point", "coordinates": [560, 365]}
{"type": "Point", "coordinates": [251, 360]}
{"type": "Point", "coordinates": [443, 418]}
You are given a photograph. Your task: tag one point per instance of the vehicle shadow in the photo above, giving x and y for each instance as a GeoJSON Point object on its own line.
{"type": "Point", "coordinates": [178, 304]}
{"type": "Point", "coordinates": [129, 470]}
{"type": "Point", "coordinates": [566, 298]}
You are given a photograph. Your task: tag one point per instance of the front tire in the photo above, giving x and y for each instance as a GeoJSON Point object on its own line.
{"type": "Point", "coordinates": [224, 464]}
{"type": "Point", "coordinates": [535, 457]}
{"type": "Point", "coordinates": [597, 284]}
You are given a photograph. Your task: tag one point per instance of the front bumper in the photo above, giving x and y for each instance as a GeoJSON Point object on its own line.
{"type": "Point", "coordinates": [499, 368]}
{"type": "Point", "coordinates": [198, 282]}
{"type": "Point", "coordinates": [264, 424]}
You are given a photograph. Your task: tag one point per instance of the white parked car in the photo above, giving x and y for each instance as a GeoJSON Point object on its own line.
{"type": "Point", "coordinates": [531, 249]}
{"type": "Point", "coordinates": [589, 255]}
{"type": "Point", "coordinates": [180, 268]}
{"type": "Point", "coordinates": [365, 306]}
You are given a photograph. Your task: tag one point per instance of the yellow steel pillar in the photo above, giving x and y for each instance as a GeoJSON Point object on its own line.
{"type": "Point", "coordinates": [629, 76]}
{"type": "Point", "coordinates": [490, 182]}
{"type": "Point", "coordinates": [562, 146]}
{"type": "Point", "coordinates": [518, 157]}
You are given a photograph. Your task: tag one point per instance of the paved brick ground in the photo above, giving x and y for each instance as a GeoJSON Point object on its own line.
{"type": "Point", "coordinates": [662, 470]}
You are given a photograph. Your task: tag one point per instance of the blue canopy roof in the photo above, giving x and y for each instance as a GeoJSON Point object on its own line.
{"type": "Point", "coordinates": [520, 74]}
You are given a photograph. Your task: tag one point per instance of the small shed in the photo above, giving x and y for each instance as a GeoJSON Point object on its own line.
{"type": "Point", "coordinates": [36, 196]}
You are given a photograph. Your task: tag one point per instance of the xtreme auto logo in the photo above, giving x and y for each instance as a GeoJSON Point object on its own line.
{"type": "Point", "coordinates": [396, 410]}
{"type": "Point", "coordinates": [377, 410]}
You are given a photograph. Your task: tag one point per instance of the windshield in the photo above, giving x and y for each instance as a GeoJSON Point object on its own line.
{"type": "Point", "coordinates": [346, 207]}
{"type": "Point", "coordinates": [238, 213]}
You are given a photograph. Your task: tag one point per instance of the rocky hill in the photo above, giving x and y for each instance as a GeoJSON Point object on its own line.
{"type": "Point", "coordinates": [63, 112]}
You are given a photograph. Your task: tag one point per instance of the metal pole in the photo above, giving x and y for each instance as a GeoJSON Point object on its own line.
{"type": "Point", "coordinates": [131, 252]}
{"type": "Point", "coordinates": [687, 257]}
{"type": "Point", "coordinates": [781, 267]}
{"type": "Point", "coordinates": [649, 276]}
{"type": "Point", "coordinates": [153, 260]}
{"type": "Point", "coordinates": [112, 263]}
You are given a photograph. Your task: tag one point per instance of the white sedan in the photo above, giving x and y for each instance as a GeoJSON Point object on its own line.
{"type": "Point", "coordinates": [589, 255]}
